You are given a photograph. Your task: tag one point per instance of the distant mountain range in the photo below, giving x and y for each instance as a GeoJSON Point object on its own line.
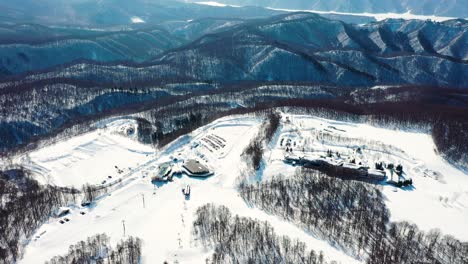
{"type": "Point", "coordinates": [451, 8]}
{"type": "Point", "coordinates": [302, 47]}
{"type": "Point", "coordinates": [105, 13]}
{"type": "Point", "coordinates": [29, 47]}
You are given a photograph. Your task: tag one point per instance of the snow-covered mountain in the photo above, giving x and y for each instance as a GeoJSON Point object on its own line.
{"type": "Point", "coordinates": [304, 47]}
{"type": "Point", "coordinates": [31, 47]}
{"type": "Point", "coordinates": [450, 8]}
{"type": "Point", "coordinates": [94, 13]}
{"type": "Point", "coordinates": [135, 45]}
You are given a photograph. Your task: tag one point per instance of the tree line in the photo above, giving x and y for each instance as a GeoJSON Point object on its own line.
{"type": "Point", "coordinates": [253, 153]}
{"type": "Point", "coordinates": [97, 250]}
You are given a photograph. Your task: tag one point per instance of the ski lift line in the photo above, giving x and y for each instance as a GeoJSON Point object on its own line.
{"type": "Point", "coordinates": [125, 179]}
{"type": "Point", "coordinates": [123, 224]}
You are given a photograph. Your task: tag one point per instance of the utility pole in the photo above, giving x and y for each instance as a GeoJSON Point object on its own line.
{"type": "Point", "coordinates": [123, 223]}
{"type": "Point", "coordinates": [143, 198]}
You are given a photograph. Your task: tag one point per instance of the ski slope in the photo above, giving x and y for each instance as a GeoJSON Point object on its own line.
{"type": "Point", "coordinates": [162, 217]}
{"type": "Point", "coordinates": [92, 157]}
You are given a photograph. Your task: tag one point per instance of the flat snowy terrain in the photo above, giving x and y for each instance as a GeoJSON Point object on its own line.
{"type": "Point", "coordinates": [162, 217]}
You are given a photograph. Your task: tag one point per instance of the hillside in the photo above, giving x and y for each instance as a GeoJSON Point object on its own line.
{"type": "Point", "coordinates": [163, 209]}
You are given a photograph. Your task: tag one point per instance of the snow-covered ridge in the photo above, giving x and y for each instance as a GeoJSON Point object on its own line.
{"type": "Point", "coordinates": [213, 3]}
{"type": "Point", "coordinates": [378, 16]}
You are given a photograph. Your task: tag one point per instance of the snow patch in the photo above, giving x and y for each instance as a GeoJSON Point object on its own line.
{"type": "Point", "coordinates": [213, 3]}
{"type": "Point", "coordinates": [137, 20]}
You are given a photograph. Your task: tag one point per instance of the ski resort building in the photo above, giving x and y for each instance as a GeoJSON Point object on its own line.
{"type": "Point", "coordinates": [163, 173]}
{"type": "Point", "coordinates": [339, 168]}
{"type": "Point", "coordinates": [195, 169]}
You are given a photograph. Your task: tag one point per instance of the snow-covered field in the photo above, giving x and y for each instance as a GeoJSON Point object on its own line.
{"type": "Point", "coordinates": [91, 158]}
{"type": "Point", "coordinates": [162, 217]}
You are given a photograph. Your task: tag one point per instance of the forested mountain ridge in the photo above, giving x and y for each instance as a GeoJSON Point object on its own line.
{"type": "Point", "coordinates": [301, 47]}
{"type": "Point", "coordinates": [137, 46]}
{"type": "Point", "coordinates": [32, 47]}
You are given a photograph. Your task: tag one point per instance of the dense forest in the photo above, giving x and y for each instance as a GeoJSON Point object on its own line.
{"type": "Point", "coordinates": [24, 206]}
{"type": "Point", "coordinates": [353, 216]}
{"type": "Point", "coordinates": [97, 250]}
{"type": "Point", "coordinates": [243, 240]}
